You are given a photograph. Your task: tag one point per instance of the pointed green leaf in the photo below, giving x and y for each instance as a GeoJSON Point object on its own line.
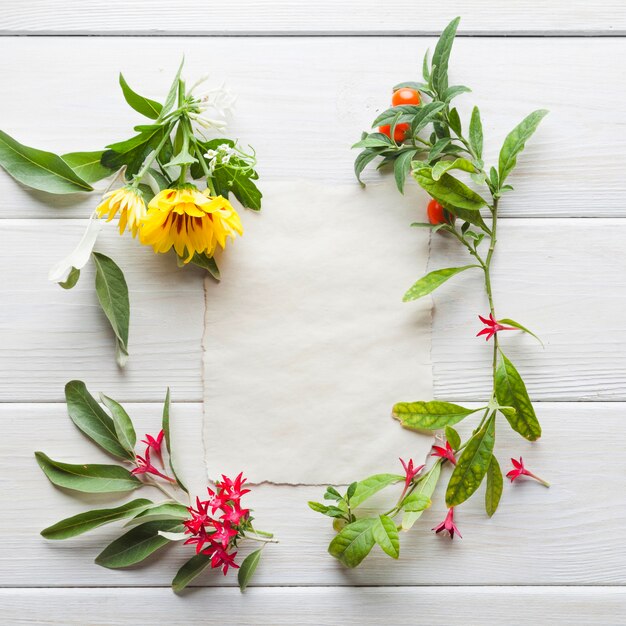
{"type": "Point", "coordinates": [402, 166]}
{"type": "Point", "coordinates": [449, 191]}
{"type": "Point", "coordinates": [137, 544]}
{"type": "Point", "coordinates": [373, 484]}
{"type": "Point", "coordinates": [516, 141]}
{"type": "Point", "coordinates": [362, 160]}
{"type": "Point", "coordinates": [142, 105]}
{"type": "Point", "coordinates": [112, 292]}
{"type": "Point", "coordinates": [426, 114]}
{"type": "Point", "coordinates": [472, 465]}
{"type": "Point", "coordinates": [416, 502]}
{"type": "Point", "coordinates": [72, 279]}
{"type": "Point", "coordinates": [404, 113]}
{"type": "Point", "coordinates": [508, 322]}
{"type": "Point", "coordinates": [244, 189]}
{"type": "Point", "coordinates": [429, 416]}
{"type": "Point", "coordinates": [91, 418]}
{"type": "Point", "coordinates": [87, 478]}
{"type": "Point", "coordinates": [494, 486]}
{"type": "Point", "coordinates": [441, 167]}
{"type": "Point", "coordinates": [511, 392]}
{"type": "Point", "coordinates": [39, 169]}
{"type": "Point", "coordinates": [87, 165]}
{"type": "Point", "coordinates": [386, 536]}
{"type": "Point", "coordinates": [476, 133]}
{"type": "Point", "coordinates": [354, 542]}
{"type": "Point", "coordinates": [166, 434]}
{"type": "Point", "coordinates": [83, 522]}
{"type": "Point", "coordinates": [453, 438]}
{"type": "Point", "coordinates": [133, 152]}
{"type": "Point", "coordinates": [190, 570]}
{"type": "Point", "coordinates": [172, 93]}
{"type": "Point", "coordinates": [247, 569]}
{"type": "Point", "coordinates": [431, 281]}
{"type": "Point", "coordinates": [441, 56]}
{"type": "Point", "coordinates": [121, 421]}
{"type": "Point", "coordinates": [161, 511]}
{"type": "Point", "coordinates": [425, 489]}
{"type": "Point", "coordinates": [207, 263]}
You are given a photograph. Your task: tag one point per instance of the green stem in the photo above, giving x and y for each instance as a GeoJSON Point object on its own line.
{"type": "Point", "coordinates": [487, 270]}
{"type": "Point", "coordinates": [209, 179]}
{"type": "Point", "coordinates": [144, 168]}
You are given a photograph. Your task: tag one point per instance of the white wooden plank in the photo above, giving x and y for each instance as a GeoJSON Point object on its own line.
{"type": "Point", "coordinates": [304, 101]}
{"type": "Point", "coordinates": [568, 534]}
{"type": "Point", "coordinates": [50, 335]}
{"type": "Point", "coordinates": [563, 279]}
{"type": "Point", "coordinates": [158, 17]}
{"type": "Point", "coordinates": [435, 606]}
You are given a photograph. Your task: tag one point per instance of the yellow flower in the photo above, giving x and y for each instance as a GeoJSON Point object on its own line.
{"type": "Point", "coordinates": [130, 204]}
{"type": "Point", "coordinates": [190, 221]}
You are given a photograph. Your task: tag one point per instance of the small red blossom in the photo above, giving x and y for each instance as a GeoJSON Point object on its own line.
{"type": "Point", "coordinates": [155, 443]}
{"type": "Point", "coordinates": [445, 453]}
{"type": "Point", "coordinates": [492, 326]}
{"type": "Point", "coordinates": [232, 488]}
{"type": "Point", "coordinates": [448, 525]}
{"type": "Point", "coordinates": [410, 471]}
{"type": "Point", "coordinates": [144, 466]}
{"type": "Point", "coordinates": [519, 470]}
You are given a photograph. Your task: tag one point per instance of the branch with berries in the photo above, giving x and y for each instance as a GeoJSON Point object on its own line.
{"type": "Point", "coordinates": [214, 526]}
{"type": "Point", "coordinates": [422, 134]}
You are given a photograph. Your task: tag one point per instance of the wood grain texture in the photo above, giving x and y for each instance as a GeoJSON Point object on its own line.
{"type": "Point", "coordinates": [302, 102]}
{"type": "Point", "coordinates": [289, 17]}
{"type": "Point", "coordinates": [325, 606]}
{"type": "Point", "coordinates": [50, 335]}
{"type": "Point", "coordinates": [568, 534]}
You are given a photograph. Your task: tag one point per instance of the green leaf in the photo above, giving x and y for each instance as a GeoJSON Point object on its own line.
{"type": "Point", "coordinates": [403, 113]}
{"type": "Point", "coordinates": [424, 489]}
{"type": "Point", "coordinates": [208, 263]}
{"type": "Point", "coordinates": [472, 465]}
{"type": "Point", "coordinates": [123, 424]}
{"type": "Point", "coordinates": [453, 438]}
{"type": "Point", "coordinates": [416, 502]}
{"type": "Point", "coordinates": [402, 166]}
{"type": "Point", "coordinates": [411, 85]}
{"type": "Point", "coordinates": [455, 121]}
{"type": "Point", "coordinates": [511, 392]}
{"type": "Point", "coordinates": [244, 189]}
{"type": "Point", "coordinates": [494, 486]}
{"type": "Point", "coordinates": [429, 416]}
{"type": "Point", "coordinates": [112, 292]}
{"type": "Point", "coordinates": [161, 511]}
{"type": "Point", "coordinates": [354, 542]}
{"type": "Point", "coordinates": [190, 570]}
{"type": "Point", "coordinates": [448, 95]}
{"type": "Point", "coordinates": [72, 279]}
{"type": "Point", "coordinates": [172, 93]}
{"type": "Point", "coordinates": [510, 322]}
{"type": "Point", "coordinates": [83, 522]}
{"type": "Point", "coordinates": [88, 478]}
{"type": "Point", "coordinates": [374, 140]}
{"type": "Point", "coordinates": [449, 191]}
{"type": "Point", "coordinates": [166, 435]}
{"type": "Point", "coordinates": [386, 536]}
{"type": "Point", "coordinates": [373, 484]}
{"type": "Point", "coordinates": [133, 152]}
{"type": "Point", "coordinates": [425, 115]}
{"type": "Point", "coordinates": [38, 169]}
{"type": "Point", "coordinates": [516, 141]}
{"type": "Point", "coordinates": [442, 167]}
{"type": "Point", "coordinates": [476, 133]}
{"type": "Point", "coordinates": [247, 569]}
{"type": "Point", "coordinates": [87, 165]}
{"type": "Point", "coordinates": [91, 418]}
{"type": "Point", "coordinates": [137, 544]}
{"type": "Point", "coordinates": [441, 56]}
{"type": "Point", "coordinates": [363, 159]}
{"type": "Point", "coordinates": [142, 105]}
{"type": "Point", "coordinates": [431, 281]}
{"type": "Point", "coordinates": [318, 507]}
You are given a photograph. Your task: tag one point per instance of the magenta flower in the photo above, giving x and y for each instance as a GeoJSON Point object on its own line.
{"type": "Point", "coordinates": [519, 470]}
{"type": "Point", "coordinates": [144, 466]}
{"type": "Point", "coordinates": [155, 444]}
{"type": "Point", "coordinates": [492, 326]}
{"type": "Point", "coordinates": [445, 453]}
{"type": "Point", "coordinates": [448, 525]}
{"type": "Point", "coordinates": [410, 471]}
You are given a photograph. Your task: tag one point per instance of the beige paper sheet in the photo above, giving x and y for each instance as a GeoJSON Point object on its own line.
{"type": "Point", "coordinates": [308, 343]}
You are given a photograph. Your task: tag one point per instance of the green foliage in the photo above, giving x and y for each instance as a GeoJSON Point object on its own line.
{"type": "Point", "coordinates": [167, 437]}
{"type": "Point", "coordinates": [354, 542]}
{"type": "Point", "coordinates": [424, 490]}
{"type": "Point", "coordinates": [145, 106]}
{"type": "Point", "coordinates": [427, 284]}
{"type": "Point", "coordinates": [190, 570]}
{"type": "Point", "coordinates": [248, 568]}
{"type": "Point", "coordinates": [88, 165]}
{"type": "Point", "coordinates": [123, 425]}
{"type": "Point", "coordinates": [429, 416]}
{"type": "Point", "coordinates": [494, 486]}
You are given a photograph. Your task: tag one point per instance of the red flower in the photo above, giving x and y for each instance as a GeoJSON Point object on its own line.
{"type": "Point", "coordinates": [233, 488]}
{"type": "Point", "coordinates": [519, 470]}
{"type": "Point", "coordinates": [410, 471]}
{"type": "Point", "coordinates": [155, 444]}
{"type": "Point", "coordinates": [445, 453]}
{"type": "Point", "coordinates": [220, 557]}
{"type": "Point", "coordinates": [144, 466]}
{"type": "Point", "coordinates": [492, 326]}
{"type": "Point", "coordinates": [448, 525]}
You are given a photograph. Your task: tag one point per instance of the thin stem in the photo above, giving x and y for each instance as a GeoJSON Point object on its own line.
{"type": "Point", "coordinates": [205, 169]}
{"type": "Point", "coordinates": [153, 483]}
{"type": "Point", "coordinates": [487, 270]}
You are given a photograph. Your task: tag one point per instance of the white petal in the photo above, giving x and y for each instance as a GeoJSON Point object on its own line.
{"type": "Point", "coordinates": [173, 536]}
{"type": "Point", "coordinates": [80, 255]}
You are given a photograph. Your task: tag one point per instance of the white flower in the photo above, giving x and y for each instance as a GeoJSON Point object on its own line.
{"type": "Point", "coordinates": [80, 255]}
{"type": "Point", "coordinates": [211, 154]}
{"type": "Point", "coordinates": [212, 164]}
{"type": "Point", "coordinates": [226, 158]}
{"type": "Point", "coordinates": [224, 147]}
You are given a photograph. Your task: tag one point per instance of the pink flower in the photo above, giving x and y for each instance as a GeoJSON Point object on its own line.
{"type": "Point", "coordinates": [410, 471]}
{"type": "Point", "coordinates": [519, 470]}
{"type": "Point", "coordinates": [220, 557]}
{"type": "Point", "coordinates": [448, 525]}
{"type": "Point", "coordinates": [144, 466]}
{"type": "Point", "coordinates": [445, 453]}
{"type": "Point", "coordinates": [492, 326]}
{"type": "Point", "coordinates": [155, 444]}
{"type": "Point", "coordinates": [233, 488]}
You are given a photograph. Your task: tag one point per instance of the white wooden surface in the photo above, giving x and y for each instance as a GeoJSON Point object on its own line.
{"type": "Point", "coordinates": [555, 555]}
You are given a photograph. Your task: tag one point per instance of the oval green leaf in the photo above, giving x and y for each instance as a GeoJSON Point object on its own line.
{"type": "Point", "coordinates": [247, 569]}
{"type": "Point", "coordinates": [494, 486]}
{"type": "Point", "coordinates": [449, 191]}
{"type": "Point", "coordinates": [87, 165]}
{"type": "Point", "coordinates": [511, 392]}
{"type": "Point", "coordinates": [425, 489]}
{"type": "Point", "coordinates": [122, 423]}
{"type": "Point", "coordinates": [427, 284]}
{"type": "Point", "coordinates": [161, 511]}
{"type": "Point", "coordinates": [142, 105]}
{"type": "Point", "coordinates": [386, 536]}
{"type": "Point", "coordinates": [373, 484]}
{"type": "Point", "coordinates": [354, 542]}
{"type": "Point", "coordinates": [429, 416]}
{"type": "Point", "coordinates": [453, 438]}
{"type": "Point", "coordinates": [87, 478]}
{"type": "Point", "coordinates": [190, 570]}
{"type": "Point", "coordinates": [472, 465]}
{"type": "Point", "coordinates": [441, 56]}
{"type": "Point", "coordinates": [476, 133]}
{"type": "Point", "coordinates": [441, 167]}
{"type": "Point", "coordinates": [167, 437]}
